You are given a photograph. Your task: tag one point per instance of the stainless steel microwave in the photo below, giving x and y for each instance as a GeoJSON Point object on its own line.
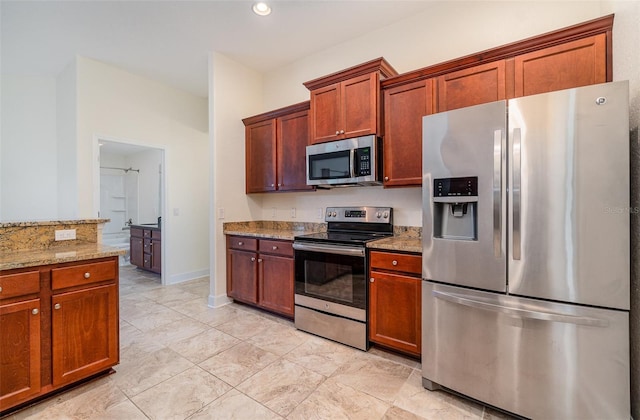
{"type": "Point", "coordinates": [356, 161]}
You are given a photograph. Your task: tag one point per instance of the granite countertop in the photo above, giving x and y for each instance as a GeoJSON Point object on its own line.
{"type": "Point", "coordinates": [405, 238]}
{"type": "Point", "coordinates": [398, 243]}
{"type": "Point", "coordinates": [55, 255]}
{"type": "Point", "coordinates": [272, 229]}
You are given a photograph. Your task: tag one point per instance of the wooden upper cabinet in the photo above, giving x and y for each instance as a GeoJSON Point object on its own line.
{"type": "Point", "coordinates": [572, 64]}
{"type": "Point", "coordinates": [347, 104]}
{"type": "Point", "coordinates": [275, 149]}
{"type": "Point", "coordinates": [472, 86]}
{"type": "Point", "coordinates": [346, 109]}
{"type": "Point", "coordinates": [292, 140]}
{"type": "Point", "coordinates": [326, 114]}
{"type": "Point", "coordinates": [404, 107]}
{"type": "Point", "coordinates": [260, 140]}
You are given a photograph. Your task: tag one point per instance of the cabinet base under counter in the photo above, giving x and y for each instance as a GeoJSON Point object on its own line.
{"type": "Point", "coordinates": [59, 327]}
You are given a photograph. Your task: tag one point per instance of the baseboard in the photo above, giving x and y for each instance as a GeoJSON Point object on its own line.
{"type": "Point", "coordinates": [218, 301]}
{"type": "Point", "coordinates": [180, 278]}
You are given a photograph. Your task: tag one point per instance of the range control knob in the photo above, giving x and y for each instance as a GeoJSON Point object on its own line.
{"type": "Point", "coordinates": [378, 215]}
{"type": "Point", "coordinates": [386, 215]}
{"type": "Point", "coordinates": [334, 214]}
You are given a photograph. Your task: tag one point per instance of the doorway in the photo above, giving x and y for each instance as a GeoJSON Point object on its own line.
{"type": "Point", "coordinates": [131, 180]}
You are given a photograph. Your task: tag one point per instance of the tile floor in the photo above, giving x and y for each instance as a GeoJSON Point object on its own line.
{"type": "Point", "coordinates": [183, 360]}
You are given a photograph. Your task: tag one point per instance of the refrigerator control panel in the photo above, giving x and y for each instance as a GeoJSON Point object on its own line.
{"type": "Point", "coordinates": [456, 187]}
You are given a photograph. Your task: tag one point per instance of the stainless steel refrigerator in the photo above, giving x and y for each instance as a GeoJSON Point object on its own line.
{"type": "Point", "coordinates": [526, 260]}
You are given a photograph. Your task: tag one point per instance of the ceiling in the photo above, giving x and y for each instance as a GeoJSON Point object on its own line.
{"type": "Point", "coordinates": [169, 41]}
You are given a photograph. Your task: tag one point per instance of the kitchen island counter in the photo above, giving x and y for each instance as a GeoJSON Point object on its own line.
{"type": "Point", "coordinates": [55, 255]}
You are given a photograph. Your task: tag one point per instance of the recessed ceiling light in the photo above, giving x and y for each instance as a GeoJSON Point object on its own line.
{"type": "Point", "coordinates": [261, 8]}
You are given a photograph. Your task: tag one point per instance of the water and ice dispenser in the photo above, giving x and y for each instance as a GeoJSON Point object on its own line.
{"type": "Point", "coordinates": [455, 208]}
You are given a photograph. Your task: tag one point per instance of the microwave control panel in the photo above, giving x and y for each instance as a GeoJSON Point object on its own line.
{"type": "Point", "coordinates": [363, 161]}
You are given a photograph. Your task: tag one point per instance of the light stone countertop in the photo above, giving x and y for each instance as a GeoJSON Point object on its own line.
{"type": "Point", "coordinates": [406, 239]}
{"type": "Point", "coordinates": [397, 243]}
{"type": "Point", "coordinates": [55, 255]}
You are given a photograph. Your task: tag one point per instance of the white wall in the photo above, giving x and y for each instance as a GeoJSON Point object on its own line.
{"type": "Point", "coordinates": [114, 104]}
{"type": "Point", "coordinates": [234, 93]}
{"type": "Point", "coordinates": [67, 176]}
{"type": "Point", "coordinates": [29, 166]}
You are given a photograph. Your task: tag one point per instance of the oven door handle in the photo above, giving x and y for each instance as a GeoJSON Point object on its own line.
{"type": "Point", "coordinates": [330, 249]}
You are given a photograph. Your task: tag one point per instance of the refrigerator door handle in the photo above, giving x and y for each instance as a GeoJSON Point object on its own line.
{"type": "Point", "coordinates": [519, 312]}
{"type": "Point", "coordinates": [517, 184]}
{"type": "Point", "coordinates": [497, 193]}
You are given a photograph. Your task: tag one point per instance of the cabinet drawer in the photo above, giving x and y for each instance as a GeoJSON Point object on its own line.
{"type": "Point", "coordinates": [407, 263]}
{"type": "Point", "coordinates": [242, 242]}
{"type": "Point", "coordinates": [284, 248]}
{"type": "Point", "coordinates": [146, 233]}
{"type": "Point", "coordinates": [19, 284]}
{"type": "Point", "coordinates": [81, 274]}
{"type": "Point", "coordinates": [136, 232]}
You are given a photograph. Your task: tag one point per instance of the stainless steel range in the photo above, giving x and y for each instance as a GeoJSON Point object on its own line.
{"type": "Point", "coordinates": [330, 273]}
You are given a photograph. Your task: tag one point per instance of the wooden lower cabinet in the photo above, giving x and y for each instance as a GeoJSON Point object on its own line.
{"type": "Point", "coordinates": [146, 248]}
{"type": "Point", "coordinates": [84, 331]}
{"type": "Point", "coordinates": [260, 272]}
{"type": "Point", "coordinates": [58, 326]}
{"type": "Point", "coordinates": [20, 351]}
{"type": "Point", "coordinates": [395, 301]}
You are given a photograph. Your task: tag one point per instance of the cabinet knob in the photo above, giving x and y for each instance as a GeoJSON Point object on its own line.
{"type": "Point", "coordinates": [279, 185]}
{"type": "Point", "coordinates": [0, 289]}
{"type": "Point", "coordinates": [274, 247]}
{"type": "Point", "coordinates": [273, 185]}
{"type": "Point", "coordinates": [386, 178]}
{"type": "Point", "coordinates": [341, 131]}
{"type": "Point", "coordinates": [57, 306]}
{"type": "Point", "coordinates": [240, 243]}
{"type": "Point", "coordinates": [253, 259]}
{"type": "Point", "coordinates": [337, 132]}
{"type": "Point", "coordinates": [372, 280]}
{"type": "Point", "coordinates": [87, 275]}
{"type": "Point", "coordinates": [259, 260]}
{"type": "Point", "coordinates": [35, 311]}
{"type": "Point", "coordinates": [394, 262]}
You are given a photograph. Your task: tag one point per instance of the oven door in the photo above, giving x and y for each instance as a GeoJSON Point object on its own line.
{"type": "Point", "coordinates": [330, 273]}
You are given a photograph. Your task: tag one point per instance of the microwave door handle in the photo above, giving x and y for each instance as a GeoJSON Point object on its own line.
{"type": "Point", "coordinates": [352, 159]}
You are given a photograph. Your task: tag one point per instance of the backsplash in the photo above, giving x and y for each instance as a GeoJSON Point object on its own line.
{"type": "Point", "coordinates": [18, 236]}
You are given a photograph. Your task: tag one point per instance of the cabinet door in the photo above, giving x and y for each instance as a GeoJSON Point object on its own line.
{"type": "Point", "coordinates": [360, 102]}
{"type": "Point", "coordinates": [572, 64]}
{"type": "Point", "coordinates": [242, 272]}
{"type": "Point", "coordinates": [276, 284]}
{"type": "Point", "coordinates": [326, 115]}
{"type": "Point", "coordinates": [472, 86]}
{"type": "Point", "coordinates": [156, 259]}
{"type": "Point", "coordinates": [84, 329]}
{"type": "Point", "coordinates": [136, 251]}
{"type": "Point", "coordinates": [404, 107]}
{"type": "Point", "coordinates": [260, 154]}
{"type": "Point", "coordinates": [293, 138]}
{"type": "Point", "coordinates": [19, 352]}
{"type": "Point", "coordinates": [395, 311]}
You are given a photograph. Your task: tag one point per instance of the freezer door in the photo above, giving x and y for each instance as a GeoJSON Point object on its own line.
{"type": "Point", "coordinates": [537, 359]}
{"type": "Point", "coordinates": [569, 196]}
{"type": "Point", "coordinates": [466, 248]}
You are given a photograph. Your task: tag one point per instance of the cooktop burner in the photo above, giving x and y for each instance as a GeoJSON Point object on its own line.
{"type": "Point", "coordinates": [353, 225]}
